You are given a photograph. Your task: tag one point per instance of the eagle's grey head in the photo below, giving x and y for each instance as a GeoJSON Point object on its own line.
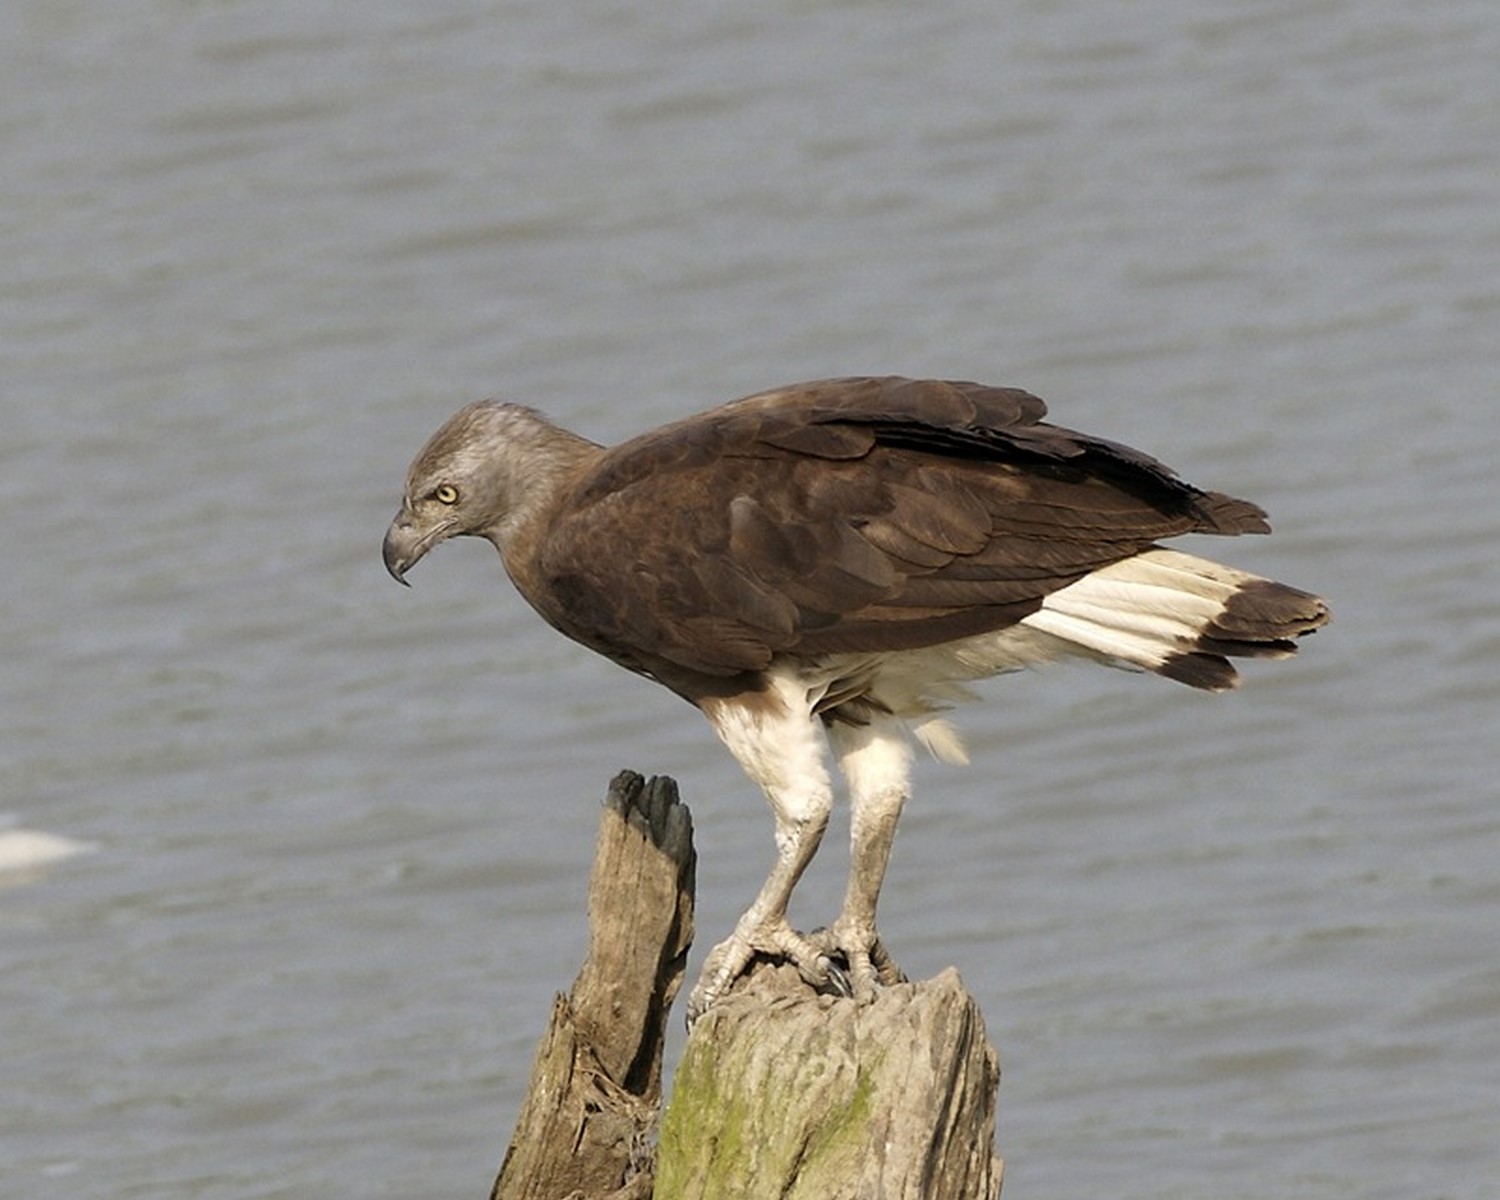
{"type": "Point", "coordinates": [489, 468]}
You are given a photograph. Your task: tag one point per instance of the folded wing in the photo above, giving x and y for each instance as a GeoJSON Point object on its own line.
{"type": "Point", "coordinates": [859, 515]}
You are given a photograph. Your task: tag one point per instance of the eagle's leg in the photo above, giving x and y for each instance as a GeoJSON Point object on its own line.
{"type": "Point", "coordinates": [764, 928]}
{"type": "Point", "coordinates": [781, 747]}
{"type": "Point", "coordinates": [876, 762]}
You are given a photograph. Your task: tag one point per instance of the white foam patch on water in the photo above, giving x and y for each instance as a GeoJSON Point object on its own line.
{"type": "Point", "coordinates": [23, 850]}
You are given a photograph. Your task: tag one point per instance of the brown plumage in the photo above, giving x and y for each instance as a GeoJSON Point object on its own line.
{"type": "Point", "coordinates": [849, 550]}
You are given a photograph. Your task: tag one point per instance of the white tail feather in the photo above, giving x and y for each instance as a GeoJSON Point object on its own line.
{"type": "Point", "coordinates": [1141, 610]}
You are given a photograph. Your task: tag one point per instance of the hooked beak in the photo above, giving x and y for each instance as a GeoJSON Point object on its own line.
{"type": "Point", "coordinates": [405, 543]}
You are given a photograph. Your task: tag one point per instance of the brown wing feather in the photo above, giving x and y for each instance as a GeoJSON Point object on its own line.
{"type": "Point", "coordinates": [850, 515]}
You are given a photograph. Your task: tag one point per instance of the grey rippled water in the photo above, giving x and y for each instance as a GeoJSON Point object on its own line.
{"type": "Point", "coordinates": [336, 832]}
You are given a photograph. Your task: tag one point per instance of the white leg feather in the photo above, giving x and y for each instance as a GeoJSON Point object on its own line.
{"type": "Point", "coordinates": [781, 746]}
{"type": "Point", "coordinates": [876, 760]}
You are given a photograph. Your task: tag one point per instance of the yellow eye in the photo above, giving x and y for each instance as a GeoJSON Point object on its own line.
{"type": "Point", "coordinates": [446, 493]}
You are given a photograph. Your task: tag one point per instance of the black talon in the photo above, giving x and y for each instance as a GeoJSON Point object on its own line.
{"type": "Point", "coordinates": [840, 982]}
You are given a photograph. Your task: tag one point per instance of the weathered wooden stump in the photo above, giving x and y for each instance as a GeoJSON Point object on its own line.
{"type": "Point", "coordinates": [781, 1092]}
{"type": "Point", "coordinates": [590, 1113]}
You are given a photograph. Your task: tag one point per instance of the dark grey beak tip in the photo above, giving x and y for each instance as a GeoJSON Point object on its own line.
{"type": "Point", "coordinates": [407, 542]}
{"type": "Point", "coordinates": [395, 558]}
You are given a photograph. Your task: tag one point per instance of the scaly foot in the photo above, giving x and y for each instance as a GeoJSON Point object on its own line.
{"type": "Point", "coordinates": [869, 961]}
{"type": "Point", "coordinates": [776, 939]}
